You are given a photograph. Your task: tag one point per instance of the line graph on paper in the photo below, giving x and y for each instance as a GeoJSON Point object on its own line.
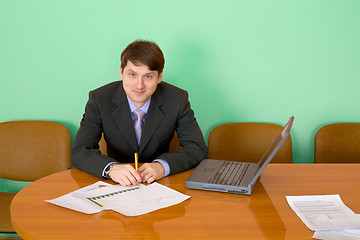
{"type": "Point", "coordinates": [94, 200]}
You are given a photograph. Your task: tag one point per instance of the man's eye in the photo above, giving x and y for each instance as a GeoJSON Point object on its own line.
{"type": "Point", "coordinates": [148, 76]}
{"type": "Point", "coordinates": [132, 74]}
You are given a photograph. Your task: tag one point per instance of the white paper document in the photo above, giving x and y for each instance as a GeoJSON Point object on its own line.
{"type": "Point", "coordinates": [323, 212]}
{"type": "Point", "coordinates": [130, 201]}
{"type": "Point", "coordinates": [338, 234]}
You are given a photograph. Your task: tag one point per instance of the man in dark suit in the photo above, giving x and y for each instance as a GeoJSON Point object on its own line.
{"type": "Point", "coordinates": [139, 114]}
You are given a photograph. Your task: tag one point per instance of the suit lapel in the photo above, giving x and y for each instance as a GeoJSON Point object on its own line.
{"type": "Point", "coordinates": [153, 119]}
{"type": "Point", "coordinates": [122, 117]}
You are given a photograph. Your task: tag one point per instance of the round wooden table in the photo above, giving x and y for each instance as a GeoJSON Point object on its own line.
{"type": "Point", "coordinates": [206, 215]}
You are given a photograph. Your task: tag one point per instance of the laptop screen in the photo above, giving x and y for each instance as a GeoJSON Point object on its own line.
{"type": "Point", "coordinates": [274, 147]}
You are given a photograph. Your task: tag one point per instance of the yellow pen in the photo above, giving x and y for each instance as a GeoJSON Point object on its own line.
{"type": "Point", "coordinates": [136, 163]}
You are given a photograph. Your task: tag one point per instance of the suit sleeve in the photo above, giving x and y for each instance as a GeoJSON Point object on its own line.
{"type": "Point", "coordinates": [193, 148]}
{"type": "Point", "coordinates": [85, 153]}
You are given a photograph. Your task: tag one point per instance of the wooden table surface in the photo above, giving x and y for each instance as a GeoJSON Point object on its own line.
{"type": "Point", "coordinates": [206, 215]}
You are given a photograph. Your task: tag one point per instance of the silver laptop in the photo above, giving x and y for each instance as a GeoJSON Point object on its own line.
{"type": "Point", "coordinates": [233, 176]}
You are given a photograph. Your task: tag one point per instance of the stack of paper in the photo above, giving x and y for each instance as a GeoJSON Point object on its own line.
{"type": "Point", "coordinates": [327, 215]}
{"type": "Point", "coordinates": [130, 201]}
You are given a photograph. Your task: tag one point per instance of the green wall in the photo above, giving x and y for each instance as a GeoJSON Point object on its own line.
{"type": "Point", "coordinates": [240, 60]}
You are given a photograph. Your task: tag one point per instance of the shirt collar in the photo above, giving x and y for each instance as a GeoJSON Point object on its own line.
{"type": "Point", "coordinates": [144, 108]}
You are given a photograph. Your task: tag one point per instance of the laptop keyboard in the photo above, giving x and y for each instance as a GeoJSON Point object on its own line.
{"type": "Point", "coordinates": [230, 173]}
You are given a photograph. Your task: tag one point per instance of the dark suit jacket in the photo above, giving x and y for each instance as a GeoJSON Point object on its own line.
{"type": "Point", "coordinates": [108, 111]}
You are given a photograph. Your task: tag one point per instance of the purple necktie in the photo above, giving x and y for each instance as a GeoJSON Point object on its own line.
{"type": "Point", "coordinates": [138, 124]}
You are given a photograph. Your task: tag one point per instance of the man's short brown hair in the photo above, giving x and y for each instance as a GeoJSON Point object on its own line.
{"type": "Point", "coordinates": [143, 52]}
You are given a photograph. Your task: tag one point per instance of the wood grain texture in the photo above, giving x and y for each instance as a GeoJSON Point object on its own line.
{"type": "Point", "coordinates": [206, 215]}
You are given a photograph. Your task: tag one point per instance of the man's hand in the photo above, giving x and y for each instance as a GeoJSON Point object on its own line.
{"type": "Point", "coordinates": [151, 172]}
{"type": "Point", "coordinates": [125, 174]}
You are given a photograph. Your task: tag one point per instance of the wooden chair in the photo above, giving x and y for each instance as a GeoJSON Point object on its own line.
{"type": "Point", "coordinates": [338, 143]}
{"type": "Point", "coordinates": [174, 144]}
{"type": "Point", "coordinates": [247, 142]}
{"type": "Point", "coordinates": [30, 150]}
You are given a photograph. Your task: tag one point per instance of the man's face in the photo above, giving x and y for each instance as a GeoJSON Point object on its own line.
{"type": "Point", "coordinates": [139, 82]}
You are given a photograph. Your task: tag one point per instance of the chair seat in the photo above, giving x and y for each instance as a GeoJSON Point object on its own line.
{"type": "Point", "coordinates": [30, 150]}
{"type": "Point", "coordinates": [5, 219]}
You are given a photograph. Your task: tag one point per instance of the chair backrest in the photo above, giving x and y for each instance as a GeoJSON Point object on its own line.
{"type": "Point", "coordinates": [338, 143]}
{"type": "Point", "coordinates": [30, 150]}
{"type": "Point", "coordinates": [174, 144]}
{"type": "Point", "coordinates": [247, 142]}
{"type": "Point", "coordinates": [102, 145]}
